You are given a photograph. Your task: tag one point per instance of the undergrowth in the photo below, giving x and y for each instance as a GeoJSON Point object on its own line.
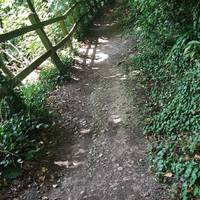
{"type": "Point", "coordinates": [18, 131]}
{"type": "Point", "coordinates": [168, 51]}
{"type": "Point", "coordinates": [23, 111]}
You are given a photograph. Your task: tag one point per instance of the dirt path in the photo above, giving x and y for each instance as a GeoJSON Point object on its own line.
{"type": "Point", "coordinates": [101, 153]}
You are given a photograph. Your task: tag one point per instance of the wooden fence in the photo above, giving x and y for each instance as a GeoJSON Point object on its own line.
{"type": "Point", "coordinates": [38, 26]}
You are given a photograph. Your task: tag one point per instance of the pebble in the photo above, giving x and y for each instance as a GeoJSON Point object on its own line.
{"type": "Point", "coordinates": [82, 192]}
{"type": "Point", "coordinates": [55, 185]}
{"type": "Point", "coordinates": [147, 194]}
{"type": "Point", "coordinates": [45, 198]}
{"type": "Point", "coordinates": [100, 155]}
{"type": "Point", "coordinates": [120, 168]}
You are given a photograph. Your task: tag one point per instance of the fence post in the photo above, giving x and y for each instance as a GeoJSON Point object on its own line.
{"type": "Point", "coordinates": [47, 44]}
{"type": "Point", "coordinates": [65, 31]}
{"type": "Point", "coordinates": [62, 25]}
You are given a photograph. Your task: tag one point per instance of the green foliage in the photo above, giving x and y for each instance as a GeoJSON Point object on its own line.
{"type": "Point", "coordinates": [24, 111]}
{"type": "Point", "coordinates": [35, 95]}
{"type": "Point", "coordinates": [12, 137]}
{"type": "Point", "coordinates": [168, 56]}
{"type": "Point", "coordinates": [18, 139]}
{"type": "Point", "coordinates": [12, 103]}
{"type": "Point", "coordinates": [20, 51]}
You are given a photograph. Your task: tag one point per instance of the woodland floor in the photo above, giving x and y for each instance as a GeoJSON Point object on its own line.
{"type": "Point", "coordinates": [99, 150]}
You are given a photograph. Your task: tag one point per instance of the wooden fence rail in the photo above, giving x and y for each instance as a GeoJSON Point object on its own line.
{"type": "Point", "coordinates": [38, 26]}
{"type": "Point", "coordinates": [21, 31]}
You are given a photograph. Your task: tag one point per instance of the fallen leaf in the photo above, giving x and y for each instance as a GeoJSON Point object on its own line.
{"type": "Point", "coordinates": [168, 174]}
{"type": "Point", "coordinates": [62, 163]}
{"type": "Point", "coordinates": [76, 164]}
{"type": "Point", "coordinates": [197, 157]}
{"type": "Point", "coordinates": [84, 131]}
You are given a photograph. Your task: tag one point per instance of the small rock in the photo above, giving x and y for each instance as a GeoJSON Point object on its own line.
{"type": "Point", "coordinates": [55, 185]}
{"type": "Point", "coordinates": [85, 131]}
{"type": "Point", "coordinates": [82, 192]}
{"type": "Point", "coordinates": [120, 168]}
{"type": "Point", "coordinates": [100, 155]}
{"type": "Point", "coordinates": [146, 194]}
{"type": "Point", "coordinates": [45, 198]}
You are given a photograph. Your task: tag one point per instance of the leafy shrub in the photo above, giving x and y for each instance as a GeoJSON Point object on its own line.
{"type": "Point", "coordinates": [12, 137]}
{"type": "Point", "coordinates": [168, 56]}
{"type": "Point", "coordinates": [24, 111]}
{"type": "Point", "coordinates": [18, 142]}
{"type": "Point", "coordinates": [35, 94]}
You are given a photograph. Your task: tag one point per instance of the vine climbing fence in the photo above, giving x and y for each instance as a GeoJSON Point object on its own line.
{"type": "Point", "coordinates": [51, 50]}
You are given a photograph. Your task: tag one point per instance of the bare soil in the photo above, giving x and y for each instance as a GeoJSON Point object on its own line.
{"type": "Point", "coordinates": [99, 150]}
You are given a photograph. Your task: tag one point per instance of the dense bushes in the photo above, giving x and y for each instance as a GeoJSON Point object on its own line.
{"type": "Point", "coordinates": [168, 55]}
{"type": "Point", "coordinates": [23, 111]}
{"type": "Point", "coordinates": [19, 141]}
{"type": "Point", "coordinates": [18, 138]}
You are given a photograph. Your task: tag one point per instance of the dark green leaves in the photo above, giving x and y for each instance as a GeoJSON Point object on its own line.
{"type": "Point", "coordinates": [12, 172]}
{"type": "Point", "coordinates": [169, 56]}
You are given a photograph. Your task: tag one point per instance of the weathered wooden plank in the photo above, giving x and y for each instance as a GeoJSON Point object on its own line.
{"type": "Point", "coordinates": [21, 31]}
{"type": "Point", "coordinates": [17, 79]}
{"type": "Point", "coordinates": [31, 6]}
{"type": "Point", "coordinates": [22, 75]}
{"type": "Point", "coordinates": [62, 25]}
{"type": "Point", "coordinates": [65, 32]}
{"type": "Point", "coordinates": [34, 19]}
{"type": "Point", "coordinates": [47, 43]}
